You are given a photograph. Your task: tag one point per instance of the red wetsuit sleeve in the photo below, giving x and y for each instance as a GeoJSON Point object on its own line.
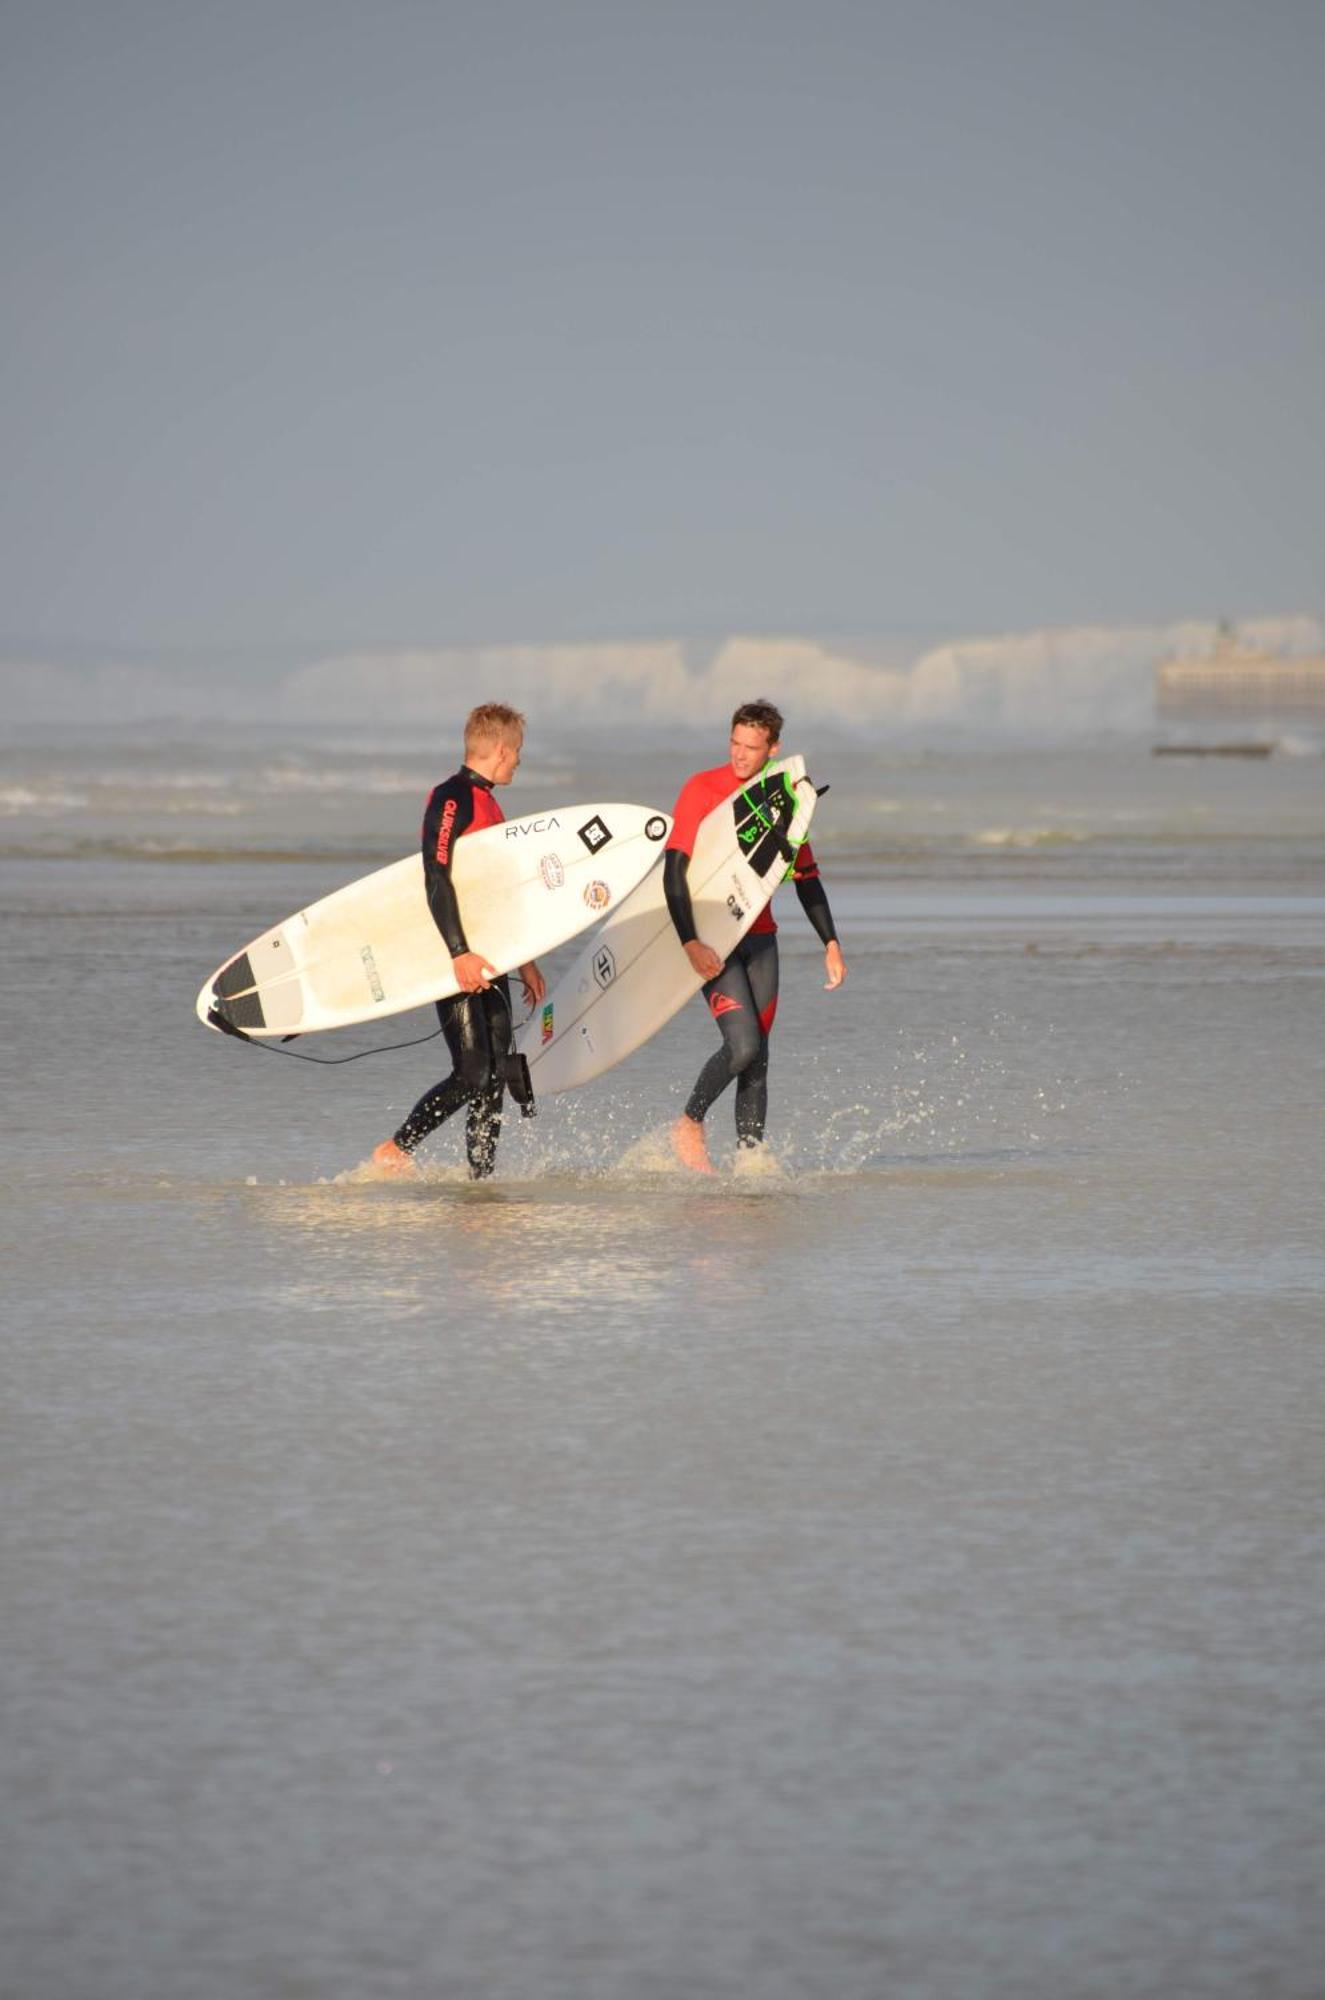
{"type": "Point", "coordinates": [694, 802]}
{"type": "Point", "coordinates": [697, 798]}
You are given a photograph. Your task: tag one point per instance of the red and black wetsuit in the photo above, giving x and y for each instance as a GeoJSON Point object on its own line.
{"type": "Point", "coordinates": [477, 1026]}
{"type": "Point", "coordinates": [743, 998]}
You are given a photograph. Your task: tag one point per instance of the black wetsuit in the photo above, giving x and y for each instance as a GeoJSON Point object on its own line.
{"type": "Point", "coordinates": [477, 1026]}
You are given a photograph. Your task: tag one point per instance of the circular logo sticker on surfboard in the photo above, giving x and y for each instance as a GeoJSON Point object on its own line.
{"type": "Point", "coordinates": [597, 895]}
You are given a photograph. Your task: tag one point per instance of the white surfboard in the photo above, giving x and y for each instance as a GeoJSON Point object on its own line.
{"type": "Point", "coordinates": [372, 948]}
{"type": "Point", "coordinates": [632, 975]}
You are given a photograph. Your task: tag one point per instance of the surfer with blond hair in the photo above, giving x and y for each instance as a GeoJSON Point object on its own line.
{"type": "Point", "coordinates": [742, 994]}
{"type": "Point", "coordinates": [476, 1021]}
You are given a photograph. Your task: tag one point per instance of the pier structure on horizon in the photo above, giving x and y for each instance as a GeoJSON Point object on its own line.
{"type": "Point", "coordinates": [1240, 679]}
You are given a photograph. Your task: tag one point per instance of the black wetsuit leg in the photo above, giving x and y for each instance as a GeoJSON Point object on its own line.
{"type": "Point", "coordinates": [477, 1027]}
{"type": "Point", "coordinates": [743, 1000]}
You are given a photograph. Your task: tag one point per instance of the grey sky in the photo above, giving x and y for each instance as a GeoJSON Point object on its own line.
{"type": "Point", "coordinates": [353, 325]}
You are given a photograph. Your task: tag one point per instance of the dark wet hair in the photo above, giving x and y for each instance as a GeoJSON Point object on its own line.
{"type": "Point", "coordinates": [760, 715]}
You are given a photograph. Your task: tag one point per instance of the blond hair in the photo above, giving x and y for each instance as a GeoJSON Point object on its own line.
{"type": "Point", "coordinates": [490, 723]}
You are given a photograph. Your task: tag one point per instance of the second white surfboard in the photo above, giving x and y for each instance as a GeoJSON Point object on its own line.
{"type": "Point", "coordinates": [632, 975]}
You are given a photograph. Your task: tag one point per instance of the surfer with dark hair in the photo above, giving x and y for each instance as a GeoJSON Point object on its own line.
{"type": "Point", "coordinates": [476, 1021]}
{"type": "Point", "coordinates": [742, 994]}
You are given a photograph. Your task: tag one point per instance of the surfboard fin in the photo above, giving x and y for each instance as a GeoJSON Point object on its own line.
{"type": "Point", "coordinates": [216, 1019]}
{"type": "Point", "coordinates": [514, 1070]}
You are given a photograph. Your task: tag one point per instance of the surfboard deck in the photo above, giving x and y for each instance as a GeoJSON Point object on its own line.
{"type": "Point", "coordinates": [371, 948]}
{"type": "Point", "coordinates": [633, 975]}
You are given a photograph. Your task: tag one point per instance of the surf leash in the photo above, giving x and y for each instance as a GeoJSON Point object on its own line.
{"type": "Point", "coordinates": [512, 1067]}
{"type": "Point", "coordinates": [216, 1020]}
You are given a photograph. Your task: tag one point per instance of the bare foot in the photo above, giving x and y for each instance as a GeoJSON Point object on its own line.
{"type": "Point", "coordinates": [690, 1146]}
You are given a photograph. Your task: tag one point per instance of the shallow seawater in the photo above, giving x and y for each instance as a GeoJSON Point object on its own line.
{"type": "Point", "coordinates": [891, 1567]}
